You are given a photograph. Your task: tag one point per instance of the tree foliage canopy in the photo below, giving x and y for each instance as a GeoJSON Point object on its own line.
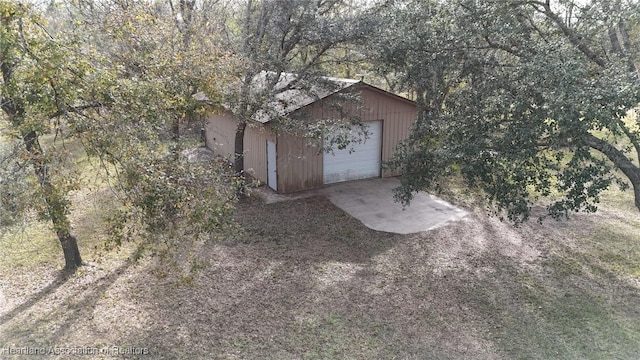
{"type": "Point", "coordinates": [119, 78]}
{"type": "Point", "coordinates": [524, 99]}
{"type": "Point", "coordinates": [284, 40]}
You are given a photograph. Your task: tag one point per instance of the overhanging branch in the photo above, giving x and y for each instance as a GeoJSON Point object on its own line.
{"type": "Point", "coordinates": [74, 109]}
{"type": "Point", "coordinates": [617, 157]}
{"type": "Point", "coordinates": [575, 38]}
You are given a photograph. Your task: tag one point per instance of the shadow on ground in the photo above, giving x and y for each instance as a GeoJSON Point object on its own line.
{"type": "Point", "coordinates": [65, 305]}
{"type": "Point", "coordinates": [307, 281]}
{"type": "Point", "coordinates": [59, 279]}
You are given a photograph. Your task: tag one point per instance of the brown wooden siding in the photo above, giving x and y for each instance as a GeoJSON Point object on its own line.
{"type": "Point", "coordinates": [299, 163]}
{"type": "Point", "coordinates": [255, 150]}
{"type": "Point", "coordinates": [299, 160]}
{"type": "Point", "coordinates": [220, 137]}
{"type": "Point", "coordinates": [397, 118]}
{"type": "Point", "coordinates": [220, 134]}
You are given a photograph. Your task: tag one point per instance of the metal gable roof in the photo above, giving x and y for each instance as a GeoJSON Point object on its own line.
{"type": "Point", "coordinates": [291, 93]}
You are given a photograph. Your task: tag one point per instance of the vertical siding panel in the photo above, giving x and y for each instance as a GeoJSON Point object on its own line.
{"type": "Point", "coordinates": [299, 164]}
{"type": "Point", "coordinates": [220, 134]}
{"type": "Point", "coordinates": [255, 145]}
{"type": "Point", "coordinates": [397, 116]}
{"type": "Point", "coordinates": [220, 137]}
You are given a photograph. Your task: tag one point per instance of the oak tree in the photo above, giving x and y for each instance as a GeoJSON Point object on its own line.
{"type": "Point", "coordinates": [285, 45]}
{"type": "Point", "coordinates": [117, 77]}
{"type": "Point", "coordinates": [38, 87]}
{"type": "Point", "coordinates": [524, 99]}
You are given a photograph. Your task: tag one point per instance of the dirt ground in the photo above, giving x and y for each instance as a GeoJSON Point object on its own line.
{"type": "Point", "coordinates": [306, 281]}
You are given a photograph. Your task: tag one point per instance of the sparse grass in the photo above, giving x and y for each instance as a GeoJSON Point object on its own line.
{"type": "Point", "coordinates": [28, 246]}
{"type": "Point", "coordinates": [306, 281]}
{"type": "Point", "coordinates": [584, 299]}
{"type": "Point", "coordinates": [31, 243]}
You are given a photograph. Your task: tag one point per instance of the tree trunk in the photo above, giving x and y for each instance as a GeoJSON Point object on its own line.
{"type": "Point", "coordinates": [636, 192]}
{"type": "Point", "coordinates": [175, 138]}
{"type": "Point", "coordinates": [238, 161]}
{"type": "Point", "coordinates": [56, 204]}
{"type": "Point", "coordinates": [72, 258]}
{"type": "Point", "coordinates": [627, 48]}
{"type": "Point", "coordinates": [620, 160]}
{"type": "Point", "coordinates": [634, 177]}
{"type": "Point", "coordinates": [622, 47]}
{"type": "Point", "coordinates": [615, 42]}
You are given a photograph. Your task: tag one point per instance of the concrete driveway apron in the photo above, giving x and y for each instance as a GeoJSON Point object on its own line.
{"type": "Point", "coordinates": [371, 202]}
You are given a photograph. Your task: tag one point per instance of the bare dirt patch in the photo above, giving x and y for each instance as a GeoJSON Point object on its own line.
{"type": "Point", "coordinates": [306, 281]}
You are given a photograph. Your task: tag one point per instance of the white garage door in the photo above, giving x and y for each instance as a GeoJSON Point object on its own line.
{"type": "Point", "coordinates": [358, 160]}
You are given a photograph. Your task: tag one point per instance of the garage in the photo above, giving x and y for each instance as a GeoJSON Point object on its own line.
{"type": "Point", "coordinates": [358, 160]}
{"type": "Point", "coordinates": [291, 158]}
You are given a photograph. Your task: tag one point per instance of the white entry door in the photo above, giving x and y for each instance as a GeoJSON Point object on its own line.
{"type": "Point", "coordinates": [357, 161]}
{"type": "Point", "coordinates": [272, 174]}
